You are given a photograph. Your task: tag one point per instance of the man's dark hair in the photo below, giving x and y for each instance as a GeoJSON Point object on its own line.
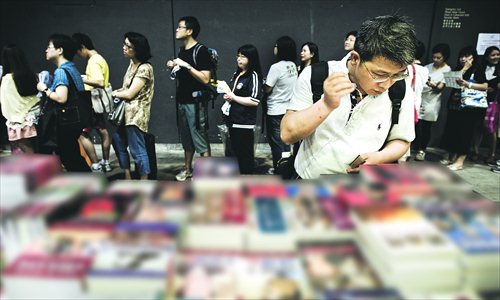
{"type": "Point", "coordinates": [286, 49]}
{"type": "Point", "coordinates": [391, 37]}
{"type": "Point", "coordinates": [140, 44]}
{"type": "Point", "coordinates": [444, 49]}
{"type": "Point", "coordinates": [14, 61]}
{"type": "Point", "coordinates": [193, 24]}
{"type": "Point", "coordinates": [250, 51]}
{"type": "Point", "coordinates": [354, 33]}
{"type": "Point", "coordinates": [420, 50]}
{"type": "Point", "coordinates": [83, 40]}
{"type": "Point", "coordinates": [65, 42]}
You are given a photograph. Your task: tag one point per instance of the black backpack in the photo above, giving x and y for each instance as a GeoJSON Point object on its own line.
{"type": "Point", "coordinates": [210, 89]}
{"type": "Point", "coordinates": [319, 72]}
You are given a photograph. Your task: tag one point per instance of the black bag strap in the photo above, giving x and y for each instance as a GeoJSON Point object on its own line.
{"type": "Point", "coordinates": [72, 86]}
{"type": "Point", "coordinates": [319, 72]}
{"type": "Point", "coordinates": [396, 93]}
{"type": "Point", "coordinates": [135, 73]}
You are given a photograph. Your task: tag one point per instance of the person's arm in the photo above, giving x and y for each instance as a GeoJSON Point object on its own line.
{"type": "Point", "coordinates": [94, 83]}
{"type": "Point", "coordinates": [254, 99]}
{"type": "Point", "coordinates": [202, 76]}
{"type": "Point", "coordinates": [247, 101]}
{"type": "Point", "coordinates": [296, 125]}
{"type": "Point", "coordinates": [471, 85]}
{"type": "Point", "coordinates": [436, 87]}
{"type": "Point", "coordinates": [128, 94]}
{"type": "Point", "coordinates": [391, 152]}
{"type": "Point", "coordinates": [268, 89]}
{"type": "Point", "coordinates": [60, 95]}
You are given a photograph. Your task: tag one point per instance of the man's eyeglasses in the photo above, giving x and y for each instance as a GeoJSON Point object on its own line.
{"type": "Point", "coordinates": [128, 47]}
{"type": "Point", "coordinates": [181, 27]}
{"type": "Point", "coordinates": [379, 78]}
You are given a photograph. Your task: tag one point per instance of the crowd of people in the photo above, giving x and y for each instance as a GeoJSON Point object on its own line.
{"type": "Point", "coordinates": [359, 117]}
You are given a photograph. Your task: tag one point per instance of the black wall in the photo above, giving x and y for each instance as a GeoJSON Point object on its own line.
{"type": "Point", "coordinates": [226, 25]}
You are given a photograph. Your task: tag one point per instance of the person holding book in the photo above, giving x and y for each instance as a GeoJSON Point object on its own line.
{"type": "Point", "coordinates": [353, 118]}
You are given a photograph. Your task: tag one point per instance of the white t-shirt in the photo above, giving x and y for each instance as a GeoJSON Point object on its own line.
{"type": "Point", "coordinates": [421, 75]}
{"type": "Point", "coordinates": [431, 101]}
{"type": "Point", "coordinates": [337, 141]}
{"type": "Point", "coordinates": [281, 77]}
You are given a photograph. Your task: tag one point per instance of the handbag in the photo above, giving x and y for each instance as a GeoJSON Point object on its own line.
{"type": "Point", "coordinates": [117, 115]}
{"type": "Point", "coordinates": [76, 113]}
{"type": "Point", "coordinates": [473, 98]}
{"type": "Point", "coordinates": [102, 99]}
{"type": "Point", "coordinates": [47, 124]}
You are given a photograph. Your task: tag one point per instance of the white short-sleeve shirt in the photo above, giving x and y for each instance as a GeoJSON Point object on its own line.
{"type": "Point", "coordinates": [338, 141]}
{"type": "Point", "coordinates": [281, 77]}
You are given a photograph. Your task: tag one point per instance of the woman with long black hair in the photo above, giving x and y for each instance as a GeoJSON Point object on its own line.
{"type": "Point", "coordinates": [242, 102]}
{"type": "Point", "coordinates": [461, 120]}
{"type": "Point", "coordinates": [19, 103]}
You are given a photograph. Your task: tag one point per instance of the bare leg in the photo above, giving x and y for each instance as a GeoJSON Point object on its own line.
{"type": "Point", "coordinates": [26, 145]}
{"type": "Point", "coordinates": [459, 162]}
{"type": "Point", "coordinates": [128, 176]}
{"type": "Point", "coordinates": [188, 160]}
{"type": "Point", "coordinates": [89, 148]}
{"type": "Point", "coordinates": [106, 142]}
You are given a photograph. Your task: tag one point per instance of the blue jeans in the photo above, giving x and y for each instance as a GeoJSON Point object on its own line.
{"type": "Point", "coordinates": [132, 137]}
{"type": "Point", "coordinates": [274, 138]}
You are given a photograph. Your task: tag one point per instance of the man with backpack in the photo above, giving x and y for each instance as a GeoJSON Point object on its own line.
{"type": "Point", "coordinates": [192, 69]}
{"type": "Point", "coordinates": [357, 119]}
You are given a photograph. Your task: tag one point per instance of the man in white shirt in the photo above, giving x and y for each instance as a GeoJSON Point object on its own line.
{"type": "Point", "coordinates": [340, 126]}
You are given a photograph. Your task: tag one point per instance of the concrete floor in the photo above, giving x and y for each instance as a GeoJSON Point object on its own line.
{"type": "Point", "coordinates": [170, 158]}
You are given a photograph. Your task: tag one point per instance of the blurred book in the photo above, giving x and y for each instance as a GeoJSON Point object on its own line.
{"type": "Point", "coordinates": [317, 214]}
{"type": "Point", "coordinates": [217, 219]}
{"type": "Point", "coordinates": [398, 179]}
{"type": "Point", "coordinates": [215, 167]}
{"type": "Point", "coordinates": [474, 226]}
{"type": "Point", "coordinates": [129, 271]}
{"type": "Point", "coordinates": [269, 225]}
{"type": "Point", "coordinates": [338, 270]}
{"type": "Point", "coordinates": [22, 174]}
{"type": "Point", "coordinates": [234, 275]}
{"type": "Point", "coordinates": [145, 187]}
{"type": "Point", "coordinates": [46, 277]}
{"type": "Point", "coordinates": [406, 250]}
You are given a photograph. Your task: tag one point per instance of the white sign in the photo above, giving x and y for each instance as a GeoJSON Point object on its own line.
{"type": "Point", "coordinates": [485, 40]}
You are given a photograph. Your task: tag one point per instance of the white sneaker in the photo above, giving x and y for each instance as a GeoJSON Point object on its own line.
{"type": "Point", "coordinates": [270, 171]}
{"type": "Point", "coordinates": [96, 168]}
{"type": "Point", "coordinates": [445, 162]}
{"type": "Point", "coordinates": [106, 166]}
{"type": "Point", "coordinates": [183, 175]}
{"type": "Point", "coordinates": [420, 156]}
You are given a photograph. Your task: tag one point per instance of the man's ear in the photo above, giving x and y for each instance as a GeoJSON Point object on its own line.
{"type": "Point", "coordinates": [355, 58]}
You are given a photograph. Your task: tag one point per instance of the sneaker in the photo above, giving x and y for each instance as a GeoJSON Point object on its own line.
{"type": "Point", "coordinates": [106, 166]}
{"type": "Point", "coordinates": [420, 156]}
{"type": "Point", "coordinates": [270, 171]}
{"type": "Point", "coordinates": [492, 162]}
{"type": "Point", "coordinates": [183, 175]}
{"type": "Point", "coordinates": [496, 169]}
{"type": "Point", "coordinates": [445, 162]}
{"type": "Point", "coordinates": [96, 168]}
